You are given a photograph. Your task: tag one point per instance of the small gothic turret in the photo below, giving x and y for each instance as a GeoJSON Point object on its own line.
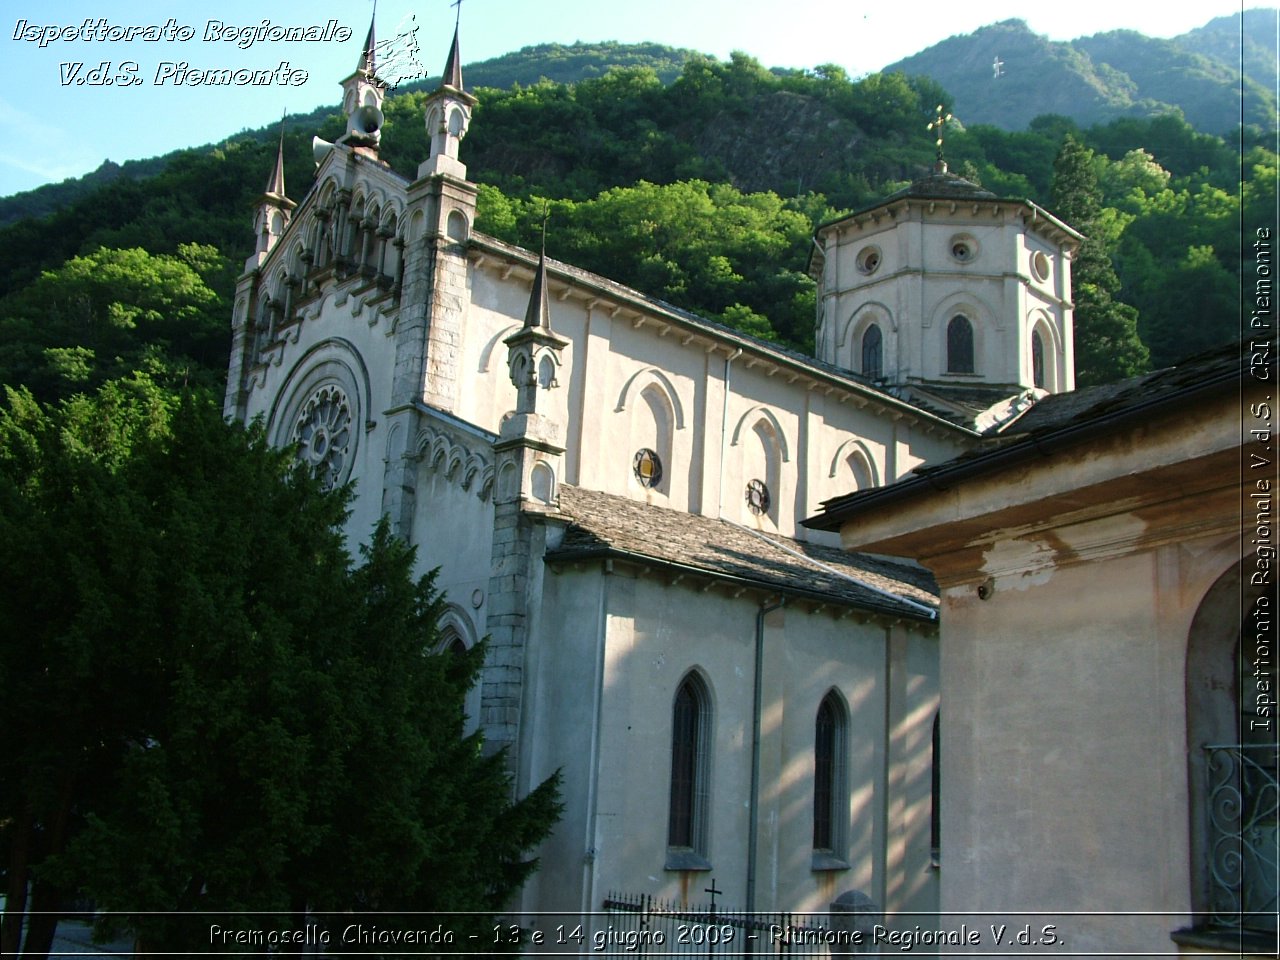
{"type": "Point", "coordinates": [363, 96]}
{"type": "Point", "coordinates": [533, 352]}
{"type": "Point", "coordinates": [448, 115]}
{"type": "Point", "coordinates": [531, 444]}
{"type": "Point", "coordinates": [273, 211]}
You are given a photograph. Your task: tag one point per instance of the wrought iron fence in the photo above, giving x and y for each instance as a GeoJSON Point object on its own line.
{"type": "Point", "coordinates": [1244, 839]}
{"type": "Point", "coordinates": [639, 925]}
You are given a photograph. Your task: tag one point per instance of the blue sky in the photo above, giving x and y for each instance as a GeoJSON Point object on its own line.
{"type": "Point", "coordinates": [50, 130]}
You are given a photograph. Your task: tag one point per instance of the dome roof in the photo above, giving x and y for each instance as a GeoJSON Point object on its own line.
{"type": "Point", "coordinates": [942, 186]}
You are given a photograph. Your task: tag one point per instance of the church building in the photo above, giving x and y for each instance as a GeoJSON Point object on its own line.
{"type": "Point", "coordinates": [612, 489]}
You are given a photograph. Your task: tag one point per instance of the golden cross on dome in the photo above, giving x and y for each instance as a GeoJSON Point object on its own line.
{"type": "Point", "coordinates": [939, 124]}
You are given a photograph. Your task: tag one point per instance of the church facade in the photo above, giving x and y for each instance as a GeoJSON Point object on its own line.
{"type": "Point", "coordinates": [612, 489]}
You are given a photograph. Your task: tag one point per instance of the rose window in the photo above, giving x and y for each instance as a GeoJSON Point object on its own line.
{"type": "Point", "coordinates": [323, 435]}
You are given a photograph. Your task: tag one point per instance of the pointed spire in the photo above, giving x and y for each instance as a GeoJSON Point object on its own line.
{"type": "Point", "coordinates": [275, 184]}
{"type": "Point", "coordinates": [453, 66]}
{"type": "Point", "coordinates": [448, 115]}
{"type": "Point", "coordinates": [274, 209]}
{"type": "Point", "coordinates": [533, 351]}
{"type": "Point", "coordinates": [368, 61]}
{"type": "Point", "coordinates": [539, 312]}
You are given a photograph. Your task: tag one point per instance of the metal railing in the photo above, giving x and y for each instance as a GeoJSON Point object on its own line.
{"type": "Point", "coordinates": [1243, 839]}
{"type": "Point", "coordinates": [639, 925]}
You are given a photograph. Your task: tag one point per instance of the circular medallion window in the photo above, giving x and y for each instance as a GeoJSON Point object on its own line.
{"type": "Point", "coordinates": [1040, 266]}
{"type": "Point", "coordinates": [647, 467]}
{"type": "Point", "coordinates": [757, 497]}
{"type": "Point", "coordinates": [324, 436]}
{"type": "Point", "coordinates": [963, 248]}
{"type": "Point", "coordinates": [869, 260]}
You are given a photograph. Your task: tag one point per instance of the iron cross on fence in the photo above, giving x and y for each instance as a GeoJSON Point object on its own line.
{"type": "Point", "coordinates": [713, 891]}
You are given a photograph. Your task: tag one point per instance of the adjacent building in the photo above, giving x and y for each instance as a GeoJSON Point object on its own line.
{"type": "Point", "coordinates": [1108, 660]}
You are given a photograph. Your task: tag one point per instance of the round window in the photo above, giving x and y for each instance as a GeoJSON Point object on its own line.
{"type": "Point", "coordinates": [869, 260]}
{"type": "Point", "coordinates": [647, 466]}
{"type": "Point", "coordinates": [1040, 266]}
{"type": "Point", "coordinates": [757, 497]}
{"type": "Point", "coordinates": [963, 248]}
{"type": "Point", "coordinates": [323, 434]}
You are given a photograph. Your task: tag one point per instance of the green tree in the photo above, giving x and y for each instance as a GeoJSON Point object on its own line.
{"type": "Point", "coordinates": [1136, 175]}
{"type": "Point", "coordinates": [1107, 346]}
{"type": "Point", "coordinates": [100, 315]}
{"type": "Point", "coordinates": [707, 248]}
{"type": "Point", "coordinates": [1197, 301]}
{"type": "Point", "coordinates": [207, 708]}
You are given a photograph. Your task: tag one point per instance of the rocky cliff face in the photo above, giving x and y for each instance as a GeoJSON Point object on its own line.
{"type": "Point", "coordinates": [761, 147]}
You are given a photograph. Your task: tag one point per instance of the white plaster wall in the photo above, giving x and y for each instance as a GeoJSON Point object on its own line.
{"type": "Point", "coordinates": [496, 311]}
{"type": "Point", "coordinates": [806, 656]}
{"type": "Point", "coordinates": [453, 530]}
{"type": "Point", "coordinates": [848, 289]}
{"type": "Point", "coordinates": [611, 358]}
{"type": "Point", "coordinates": [1064, 744]}
{"type": "Point", "coordinates": [640, 637]}
{"type": "Point", "coordinates": [567, 654]}
{"type": "Point", "coordinates": [910, 884]}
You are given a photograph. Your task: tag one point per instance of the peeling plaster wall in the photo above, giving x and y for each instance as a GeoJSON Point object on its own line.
{"type": "Point", "coordinates": [1064, 740]}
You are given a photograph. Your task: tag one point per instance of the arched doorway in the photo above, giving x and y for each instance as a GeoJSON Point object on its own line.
{"type": "Point", "coordinates": [1232, 758]}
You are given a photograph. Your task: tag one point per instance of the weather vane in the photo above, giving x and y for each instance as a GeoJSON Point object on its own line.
{"type": "Point", "coordinates": [457, 19]}
{"type": "Point", "coordinates": [939, 124]}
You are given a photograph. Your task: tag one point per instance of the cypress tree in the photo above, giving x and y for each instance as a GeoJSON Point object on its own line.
{"type": "Point", "coordinates": [1107, 345]}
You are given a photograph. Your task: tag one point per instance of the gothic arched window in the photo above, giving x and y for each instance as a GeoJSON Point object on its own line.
{"type": "Point", "coordinates": [860, 472]}
{"type": "Point", "coordinates": [763, 489]}
{"type": "Point", "coordinates": [1037, 360]}
{"type": "Point", "coordinates": [960, 345]}
{"type": "Point", "coordinates": [690, 790]}
{"type": "Point", "coordinates": [829, 787]}
{"type": "Point", "coordinates": [652, 425]}
{"type": "Point", "coordinates": [873, 353]}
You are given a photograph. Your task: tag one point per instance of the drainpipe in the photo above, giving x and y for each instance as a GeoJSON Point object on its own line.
{"type": "Point", "coordinates": [724, 430]}
{"type": "Point", "coordinates": [589, 903]}
{"type": "Point", "coordinates": [886, 771]}
{"type": "Point", "coordinates": [753, 800]}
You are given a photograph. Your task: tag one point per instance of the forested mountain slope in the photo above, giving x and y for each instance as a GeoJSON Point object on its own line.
{"type": "Point", "coordinates": [703, 191]}
{"type": "Point", "coordinates": [1109, 75]}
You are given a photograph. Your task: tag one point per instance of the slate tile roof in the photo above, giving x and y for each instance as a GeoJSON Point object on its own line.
{"type": "Point", "coordinates": [1223, 365]}
{"type": "Point", "coordinates": [942, 186]}
{"type": "Point", "coordinates": [1078, 416]}
{"type": "Point", "coordinates": [605, 525]}
{"type": "Point", "coordinates": [960, 404]}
